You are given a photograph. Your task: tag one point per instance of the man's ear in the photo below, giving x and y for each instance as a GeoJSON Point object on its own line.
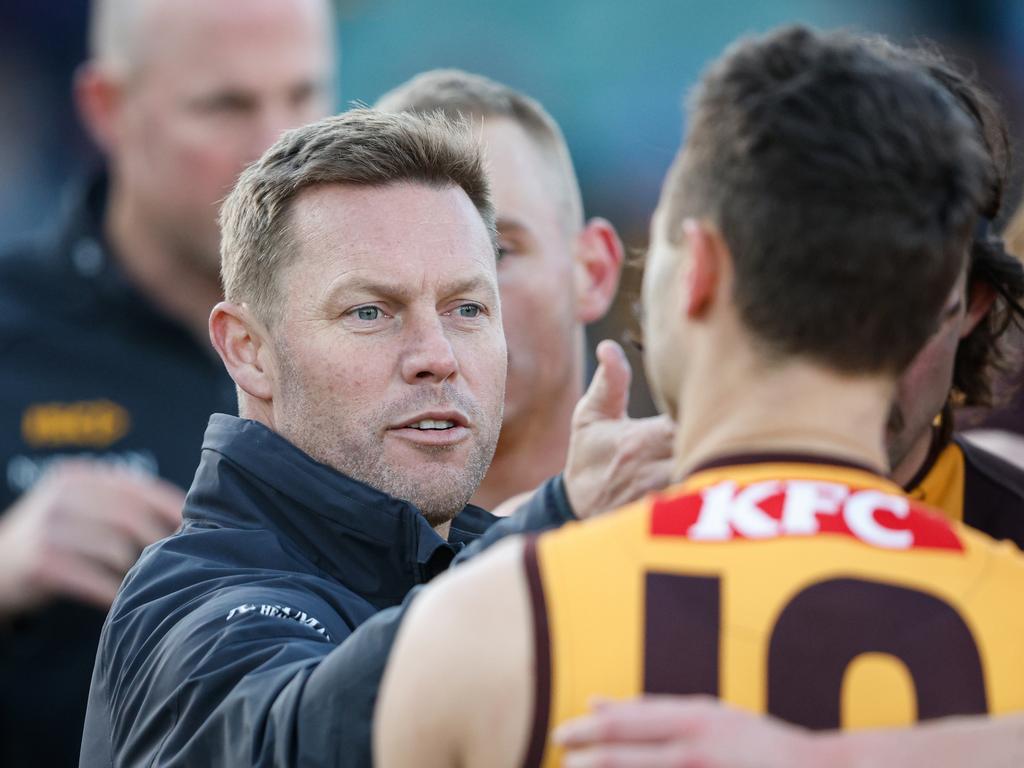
{"type": "Point", "coordinates": [241, 341]}
{"type": "Point", "coordinates": [99, 96]}
{"type": "Point", "coordinates": [980, 298]}
{"type": "Point", "coordinates": [703, 270]}
{"type": "Point", "coordinates": [598, 265]}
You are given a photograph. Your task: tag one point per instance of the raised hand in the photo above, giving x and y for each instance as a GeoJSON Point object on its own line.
{"type": "Point", "coordinates": [614, 459]}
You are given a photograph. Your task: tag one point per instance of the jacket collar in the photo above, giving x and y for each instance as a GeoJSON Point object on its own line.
{"type": "Point", "coordinates": [374, 544]}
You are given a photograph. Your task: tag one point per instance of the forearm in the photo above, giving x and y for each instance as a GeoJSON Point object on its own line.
{"type": "Point", "coordinates": [978, 742]}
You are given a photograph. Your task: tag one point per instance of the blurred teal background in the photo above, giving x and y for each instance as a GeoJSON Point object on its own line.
{"type": "Point", "coordinates": [612, 73]}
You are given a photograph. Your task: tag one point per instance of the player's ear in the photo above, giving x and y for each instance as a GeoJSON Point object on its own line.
{"type": "Point", "coordinates": [703, 268]}
{"type": "Point", "coordinates": [598, 265]}
{"type": "Point", "coordinates": [98, 97]}
{"type": "Point", "coordinates": [980, 298]}
{"type": "Point", "coordinates": [241, 341]}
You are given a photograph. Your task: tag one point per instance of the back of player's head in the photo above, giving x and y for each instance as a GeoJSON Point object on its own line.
{"type": "Point", "coordinates": [463, 94]}
{"type": "Point", "coordinates": [846, 185]}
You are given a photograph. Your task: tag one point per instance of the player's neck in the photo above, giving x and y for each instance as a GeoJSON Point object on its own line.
{"type": "Point", "coordinates": [797, 408]}
{"type": "Point", "coordinates": [531, 449]}
{"type": "Point", "coordinates": [175, 285]}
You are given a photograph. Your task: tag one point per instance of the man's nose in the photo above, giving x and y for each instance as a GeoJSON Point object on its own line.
{"type": "Point", "coordinates": [429, 355]}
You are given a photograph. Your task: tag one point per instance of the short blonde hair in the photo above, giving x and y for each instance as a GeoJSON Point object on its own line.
{"type": "Point", "coordinates": [363, 147]}
{"type": "Point", "coordinates": [460, 94]}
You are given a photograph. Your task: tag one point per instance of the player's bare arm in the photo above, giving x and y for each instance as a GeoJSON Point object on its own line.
{"type": "Point", "coordinates": [453, 693]}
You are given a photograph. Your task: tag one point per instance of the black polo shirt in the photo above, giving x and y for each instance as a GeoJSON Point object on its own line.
{"type": "Point", "coordinates": [90, 368]}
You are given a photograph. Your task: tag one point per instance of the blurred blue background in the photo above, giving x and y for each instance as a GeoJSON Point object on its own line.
{"type": "Point", "coordinates": [612, 73]}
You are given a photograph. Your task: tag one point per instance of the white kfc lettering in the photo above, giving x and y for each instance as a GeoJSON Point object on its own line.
{"type": "Point", "coordinates": [805, 500]}
{"type": "Point", "coordinates": [726, 512]}
{"type": "Point", "coordinates": [859, 514]}
{"type": "Point", "coordinates": [723, 511]}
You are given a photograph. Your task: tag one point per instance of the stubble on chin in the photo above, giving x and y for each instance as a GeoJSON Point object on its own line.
{"type": "Point", "coordinates": [439, 486]}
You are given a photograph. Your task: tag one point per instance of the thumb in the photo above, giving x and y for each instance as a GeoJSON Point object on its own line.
{"type": "Point", "coordinates": [608, 393]}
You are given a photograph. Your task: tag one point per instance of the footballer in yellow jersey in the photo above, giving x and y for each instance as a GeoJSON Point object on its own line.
{"type": "Point", "coordinates": [815, 592]}
{"type": "Point", "coordinates": [809, 236]}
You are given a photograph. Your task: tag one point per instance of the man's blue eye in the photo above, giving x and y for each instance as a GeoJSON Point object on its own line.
{"type": "Point", "coordinates": [368, 313]}
{"type": "Point", "coordinates": [469, 310]}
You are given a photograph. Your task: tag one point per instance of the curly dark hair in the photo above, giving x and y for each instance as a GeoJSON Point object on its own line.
{"type": "Point", "coordinates": [982, 357]}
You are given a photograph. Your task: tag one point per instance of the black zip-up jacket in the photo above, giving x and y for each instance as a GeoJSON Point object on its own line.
{"type": "Point", "coordinates": [229, 643]}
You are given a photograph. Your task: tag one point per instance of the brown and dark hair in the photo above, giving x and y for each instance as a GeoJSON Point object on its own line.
{"type": "Point", "coordinates": [846, 185]}
{"type": "Point", "coordinates": [362, 147]}
{"type": "Point", "coordinates": [981, 357]}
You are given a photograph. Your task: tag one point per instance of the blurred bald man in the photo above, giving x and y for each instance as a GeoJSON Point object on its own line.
{"type": "Point", "coordinates": [106, 318]}
{"type": "Point", "coordinates": [556, 270]}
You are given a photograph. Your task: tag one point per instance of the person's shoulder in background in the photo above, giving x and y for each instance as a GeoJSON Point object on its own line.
{"type": "Point", "coordinates": [993, 492]}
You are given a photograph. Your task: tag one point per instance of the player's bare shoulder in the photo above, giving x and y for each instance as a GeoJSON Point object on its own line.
{"type": "Point", "coordinates": [454, 692]}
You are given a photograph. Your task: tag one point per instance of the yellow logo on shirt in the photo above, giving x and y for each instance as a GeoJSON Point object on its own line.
{"type": "Point", "coordinates": [91, 423]}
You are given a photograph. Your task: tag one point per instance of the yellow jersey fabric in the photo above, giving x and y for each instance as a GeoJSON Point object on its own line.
{"type": "Point", "coordinates": [943, 486]}
{"type": "Point", "coordinates": [818, 593]}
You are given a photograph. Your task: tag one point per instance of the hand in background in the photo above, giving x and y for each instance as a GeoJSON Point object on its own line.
{"type": "Point", "coordinates": [78, 531]}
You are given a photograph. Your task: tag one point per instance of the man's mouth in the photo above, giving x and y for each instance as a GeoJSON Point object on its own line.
{"type": "Point", "coordinates": [432, 424]}
{"type": "Point", "coordinates": [436, 429]}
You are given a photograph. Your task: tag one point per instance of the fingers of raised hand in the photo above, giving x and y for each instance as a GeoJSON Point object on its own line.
{"type": "Point", "coordinates": [607, 397]}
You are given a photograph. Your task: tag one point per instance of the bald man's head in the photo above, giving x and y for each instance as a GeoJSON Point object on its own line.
{"type": "Point", "coordinates": [121, 31]}
{"type": "Point", "coordinates": [181, 95]}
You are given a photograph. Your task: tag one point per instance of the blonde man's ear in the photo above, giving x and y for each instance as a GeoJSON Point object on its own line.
{"type": "Point", "coordinates": [599, 255]}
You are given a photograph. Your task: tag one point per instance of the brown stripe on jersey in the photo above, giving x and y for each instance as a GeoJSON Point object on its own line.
{"type": "Point", "coordinates": [541, 656]}
{"type": "Point", "coordinates": [681, 631]}
{"type": "Point", "coordinates": [934, 451]}
{"type": "Point", "coordinates": [741, 459]}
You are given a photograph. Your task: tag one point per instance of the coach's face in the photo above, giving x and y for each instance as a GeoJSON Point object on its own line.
{"type": "Point", "coordinates": [389, 355]}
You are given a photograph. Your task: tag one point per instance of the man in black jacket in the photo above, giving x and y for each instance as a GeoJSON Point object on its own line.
{"type": "Point", "coordinates": [362, 328]}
